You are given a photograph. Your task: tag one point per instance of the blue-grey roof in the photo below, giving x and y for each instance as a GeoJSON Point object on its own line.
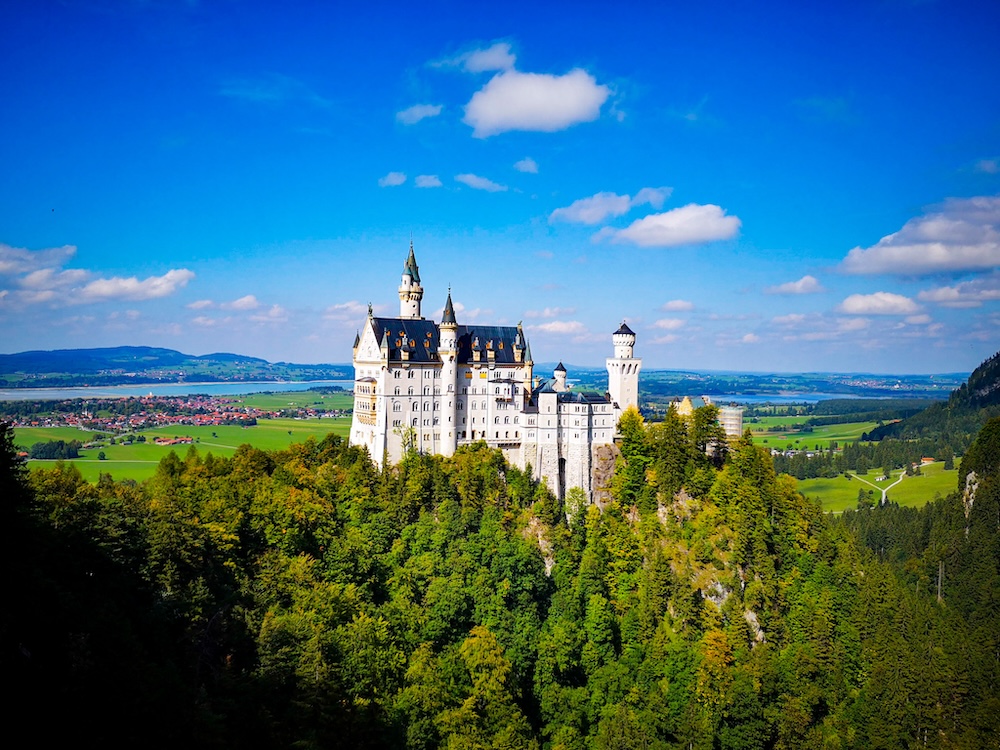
{"type": "Point", "coordinates": [421, 339]}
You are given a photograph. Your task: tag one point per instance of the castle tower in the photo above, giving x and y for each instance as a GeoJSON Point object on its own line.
{"type": "Point", "coordinates": [410, 291]}
{"type": "Point", "coordinates": [560, 377]}
{"type": "Point", "coordinates": [448, 352]}
{"type": "Point", "coordinates": [623, 371]}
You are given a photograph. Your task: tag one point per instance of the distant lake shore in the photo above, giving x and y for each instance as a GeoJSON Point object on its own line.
{"type": "Point", "coordinates": [171, 389]}
{"type": "Point", "coordinates": [280, 386]}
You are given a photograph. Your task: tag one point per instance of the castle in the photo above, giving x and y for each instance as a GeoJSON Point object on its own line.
{"type": "Point", "coordinates": [435, 386]}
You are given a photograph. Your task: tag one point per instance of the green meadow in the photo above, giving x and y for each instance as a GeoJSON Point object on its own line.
{"type": "Point", "coordinates": [138, 460]}
{"type": "Point", "coordinates": [816, 437]}
{"type": "Point", "coordinates": [298, 400]}
{"type": "Point", "coordinates": [840, 493]}
{"type": "Point", "coordinates": [25, 437]}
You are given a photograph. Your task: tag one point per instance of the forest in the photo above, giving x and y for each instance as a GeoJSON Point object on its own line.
{"type": "Point", "coordinates": [303, 598]}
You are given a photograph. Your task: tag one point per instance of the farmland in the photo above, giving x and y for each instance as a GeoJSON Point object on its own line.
{"type": "Point", "coordinates": [841, 493]}
{"type": "Point", "coordinates": [787, 432]}
{"type": "Point", "coordinates": [135, 455]}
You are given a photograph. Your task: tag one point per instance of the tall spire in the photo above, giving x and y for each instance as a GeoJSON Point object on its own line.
{"type": "Point", "coordinates": [449, 311]}
{"type": "Point", "coordinates": [411, 265]}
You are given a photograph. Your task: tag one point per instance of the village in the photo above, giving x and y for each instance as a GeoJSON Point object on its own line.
{"type": "Point", "coordinates": [119, 416]}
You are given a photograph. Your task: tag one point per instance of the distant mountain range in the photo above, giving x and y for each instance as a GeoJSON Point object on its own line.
{"type": "Point", "coordinates": [148, 365]}
{"type": "Point", "coordinates": [958, 419]}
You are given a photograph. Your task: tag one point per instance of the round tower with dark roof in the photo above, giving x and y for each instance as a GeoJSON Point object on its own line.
{"type": "Point", "coordinates": [623, 371]}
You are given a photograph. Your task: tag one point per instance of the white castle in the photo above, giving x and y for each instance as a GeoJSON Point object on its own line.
{"type": "Point", "coordinates": [435, 386]}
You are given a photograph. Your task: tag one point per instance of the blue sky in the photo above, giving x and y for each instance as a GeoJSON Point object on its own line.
{"type": "Point", "coordinates": [753, 186]}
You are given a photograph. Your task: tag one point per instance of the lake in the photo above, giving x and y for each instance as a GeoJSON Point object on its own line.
{"type": "Point", "coordinates": [171, 389]}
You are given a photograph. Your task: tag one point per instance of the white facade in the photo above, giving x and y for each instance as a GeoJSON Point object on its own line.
{"type": "Point", "coordinates": [442, 385]}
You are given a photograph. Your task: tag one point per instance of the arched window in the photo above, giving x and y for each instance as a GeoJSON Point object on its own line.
{"type": "Point", "coordinates": [396, 406]}
{"type": "Point", "coordinates": [427, 390]}
{"type": "Point", "coordinates": [397, 390]}
{"type": "Point", "coordinates": [413, 406]}
{"type": "Point", "coordinates": [409, 391]}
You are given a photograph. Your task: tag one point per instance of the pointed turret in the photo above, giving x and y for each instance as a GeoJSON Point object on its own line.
{"type": "Point", "coordinates": [411, 265]}
{"type": "Point", "coordinates": [357, 339]}
{"type": "Point", "coordinates": [410, 291]}
{"type": "Point", "coordinates": [449, 312]}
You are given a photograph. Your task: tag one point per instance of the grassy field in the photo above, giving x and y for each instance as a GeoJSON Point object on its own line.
{"type": "Point", "coordinates": [298, 399]}
{"type": "Point", "coordinates": [25, 437]}
{"type": "Point", "coordinates": [138, 460]}
{"type": "Point", "coordinates": [819, 438]}
{"type": "Point", "coordinates": [841, 493]}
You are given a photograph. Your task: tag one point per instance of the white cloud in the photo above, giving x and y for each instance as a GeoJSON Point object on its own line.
{"type": "Point", "coordinates": [496, 57]}
{"type": "Point", "coordinates": [418, 112]}
{"type": "Point", "coordinates": [669, 324]}
{"type": "Point", "coordinates": [806, 285]}
{"type": "Point", "coordinates": [348, 311]}
{"type": "Point", "coordinates": [18, 260]}
{"type": "Point", "coordinates": [963, 234]}
{"type": "Point", "coordinates": [688, 225]}
{"type": "Point", "coordinates": [527, 164]}
{"type": "Point", "coordinates": [879, 303]}
{"type": "Point", "coordinates": [852, 324]}
{"type": "Point", "coordinates": [201, 304]}
{"type": "Point", "coordinates": [51, 278]}
{"type": "Point", "coordinates": [392, 179]}
{"type": "Point", "coordinates": [965, 294]}
{"type": "Point", "coordinates": [653, 196]}
{"type": "Point", "coordinates": [249, 302]}
{"type": "Point", "coordinates": [750, 338]}
{"type": "Point", "coordinates": [275, 314]}
{"type": "Point", "coordinates": [204, 321]}
{"type": "Point", "coordinates": [427, 181]}
{"type": "Point", "coordinates": [562, 327]}
{"type": "Point", "coordinates": [535, 102]}
{"type": "Point", "coordinates": [132, 288]}
{"type": "Point", "coordinates": [480, 183]}
{"type": "Point", "coordinates": [791, 319]}
{"type": "Point", "coordinates": [918, 320]}
{"type": "Point", "coordinates": [592, 210]}
{"type": "Point", "coordinates": [677, 305]}
{"type": "Point", "coordinates": [598, 207]}
{"type": "Point", "coordinates": [550, 312]}
{"type": "Point", "coordinates": [669, 338]}
{"type": "Point", "coordinates": [463, 314]}
{"type": "Point", "coordinates": [988, 166]}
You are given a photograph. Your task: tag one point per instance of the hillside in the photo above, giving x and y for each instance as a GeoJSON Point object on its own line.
{"type": "Point", "coordinates": [957, 420]}
{"type": "Point", "coordinates": [126, 365]}
{"type": "Point", "coordinates": [300, 598]}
